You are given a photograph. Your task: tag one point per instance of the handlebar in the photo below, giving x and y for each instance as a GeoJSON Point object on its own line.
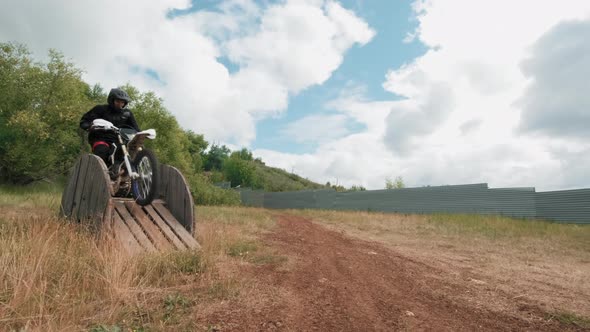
{"type": "Point", "coordinates": [103, 128]}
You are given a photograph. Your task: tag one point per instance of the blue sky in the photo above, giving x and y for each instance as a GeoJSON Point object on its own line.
{"type": "Point", "coordinates": [364, 67]}
{"type": "Point", "coordinates": [329, 88]}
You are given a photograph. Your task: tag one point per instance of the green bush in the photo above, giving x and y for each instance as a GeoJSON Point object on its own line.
{"type": "Point", "coordinates": [39, 115]}
{"type": "Point", "coordinates": [205, 193]}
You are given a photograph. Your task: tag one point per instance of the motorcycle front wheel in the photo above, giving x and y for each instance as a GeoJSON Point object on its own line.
{"type": "Point", "coordinates": [145, 187]}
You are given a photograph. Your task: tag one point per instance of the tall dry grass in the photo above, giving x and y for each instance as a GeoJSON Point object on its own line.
{"type": "Point", "coordinates": [56, 276]}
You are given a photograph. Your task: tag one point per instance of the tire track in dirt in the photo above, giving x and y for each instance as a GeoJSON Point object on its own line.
{"type": "Point", "coordinates": [336, 283]}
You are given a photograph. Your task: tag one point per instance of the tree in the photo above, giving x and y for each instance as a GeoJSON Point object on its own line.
{"type": "Point", "coordinates": [338, 188]}
{"type": "Point", "coordinates": [197, 146]}
{"type": "Point", "coordinates": [215, 158]}
{"type": "Point", "coordinates": [238, 171]}
{"type": "Point", "coordinates": [397, 183]}
{"type": "Point", "coordinates": [243, 154]}
{"type": "Point", "coordinates": [39, 112]}
{"type": "Point", "coordinates": [96, 94]}
{"type": "Point", "coordinates": [357, 188]}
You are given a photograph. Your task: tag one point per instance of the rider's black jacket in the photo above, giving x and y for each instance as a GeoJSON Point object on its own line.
{"type": "Point", "coordinates": [119, 118]}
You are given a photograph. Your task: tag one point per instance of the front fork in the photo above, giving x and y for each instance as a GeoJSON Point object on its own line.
{"type": "Point", "coordinates": [132, 174]}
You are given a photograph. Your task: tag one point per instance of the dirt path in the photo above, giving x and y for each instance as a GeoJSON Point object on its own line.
{"type": "Point", "coordinates": [334, 283]}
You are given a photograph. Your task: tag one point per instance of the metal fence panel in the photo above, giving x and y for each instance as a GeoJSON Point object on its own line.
{"type": "Point", "coordinates": [571, 206]}
{"type": "Point", "coordinates": [252, 197]}
{"type": "Point", "coordinates": [290, 200]}
{"type": "Point", "coordinates": [562, 206]}
{"type": "Point", "coordinates": [448, 199]}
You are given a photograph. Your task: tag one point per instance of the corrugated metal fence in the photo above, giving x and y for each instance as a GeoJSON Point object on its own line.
{"type": "Point", "coordinates": [571, 206]}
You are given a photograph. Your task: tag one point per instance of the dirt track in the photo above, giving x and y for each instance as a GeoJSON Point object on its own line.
{"type": "Point", "coordinates": [335, 283]}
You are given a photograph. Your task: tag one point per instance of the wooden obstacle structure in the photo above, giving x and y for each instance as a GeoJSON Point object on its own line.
{"type": "Point", "coordinates": [165, 224]}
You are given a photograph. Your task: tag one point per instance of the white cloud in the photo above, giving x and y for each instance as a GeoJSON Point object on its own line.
{"type": "Point", "coordinates": [428, 105]}
{"type": "Point", "coordinates": [319, 129]}
{"type": "Point", "coordinates": [281, 49]}
{"type": "Point", "coordinates": [300, 44]}
{"type": "Point", "coordinates": [356, 159]}
{"type": "Point", "coordinates": [493, 69]}
{"type": "Point", "coordinates": [556, 102]}
{"type": "Point", "coordinates": [369, 113]}
{"type": "Point", "coordinates": [477, 59]}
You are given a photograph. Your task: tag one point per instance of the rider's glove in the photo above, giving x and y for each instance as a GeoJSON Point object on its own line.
{"type": "Point", "coordinates": [101, 124]}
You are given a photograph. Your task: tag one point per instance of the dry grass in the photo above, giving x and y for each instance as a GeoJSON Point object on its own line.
{"type": "Point", "coordinates": [542, 237]}
{"type": "Point", "coordinates": [55, 276]}
{"type": "Point", "coordinates": [546, 263]}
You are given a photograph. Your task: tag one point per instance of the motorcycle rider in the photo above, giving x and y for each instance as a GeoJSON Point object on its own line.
{"type": "Point", "coordinates": [116, 113]}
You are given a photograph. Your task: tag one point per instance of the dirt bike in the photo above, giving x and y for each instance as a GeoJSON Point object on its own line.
{"type": "Point", "coordinates": [136, 173]}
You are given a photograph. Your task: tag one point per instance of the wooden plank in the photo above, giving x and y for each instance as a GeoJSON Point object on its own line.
{"type": "Point", "coordinates": [168, 177]}
{"type": "Point", "coordinates": [124, 236]}
{"type": "Point", "coordinates": [171, 196]}
{"type": "Point", "coordinates": [189, 212]}
{"type": "Point", "coordinates": [97, 192]}
{"type": "Point", "coordinates": [151, 230]}
{"type": "Point", "coordinates": [181, 194]}
{"type": "Point", "coordinates": [189, 207]}
{"type": "Point", "coordinates": [179, 199]}
{"type": "Point", "coordinates": [133, 226]}
{"type": "Point", "coordinates": [80, 183]}
{"type": "Point", "coordinates": [161, 179]}
{"type": "Point", "coordinates": [184, 212]}
{"type": "Point", "coordinates": [106, 224]}
{"type": "Point", "coordinates": [164, 227]}
{"type": "Point", "coordinates": [188, 239]}
{"type": "Point", "coordinates": [67, 199]}
{"type": "Point", "coordinates": [185, 200]}
{"type": "Point", "coordinates": [164, 170]}
{"type": "Point", "coordinates": [76, 192]}
{"type": "Point", "coordinates": [93, 195]}
{"type": "Point", "coordinates": [87, 192]}
{"type": "Point", "coordinates": [101, 208]}
{"type": "Point", "coordinates": [107, 178]}
{"type": "Point", "coordinates": [103, 192]}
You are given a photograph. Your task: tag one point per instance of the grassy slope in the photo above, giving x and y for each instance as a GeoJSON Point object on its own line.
{"type": "Point", "coordinates": [275, 179]}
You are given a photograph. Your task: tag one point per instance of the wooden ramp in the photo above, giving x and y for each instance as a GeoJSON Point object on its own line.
{"type": "Point", "coordinates": [148, 228]}
{"type": "Point", "coordinates": [166, 224]}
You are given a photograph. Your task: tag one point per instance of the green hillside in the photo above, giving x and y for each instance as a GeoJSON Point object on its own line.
{"type": "Point", "coordinates": [239, 168]}
{"type": "Point", "coordinates": [276, 179]}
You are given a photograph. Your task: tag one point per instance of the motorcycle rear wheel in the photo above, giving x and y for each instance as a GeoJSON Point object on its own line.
{"type": "Point", "coordinates": [145, 187]}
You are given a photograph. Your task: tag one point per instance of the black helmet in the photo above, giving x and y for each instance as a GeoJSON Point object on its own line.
{"type": "Point", "coordinates": [117, 93]}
